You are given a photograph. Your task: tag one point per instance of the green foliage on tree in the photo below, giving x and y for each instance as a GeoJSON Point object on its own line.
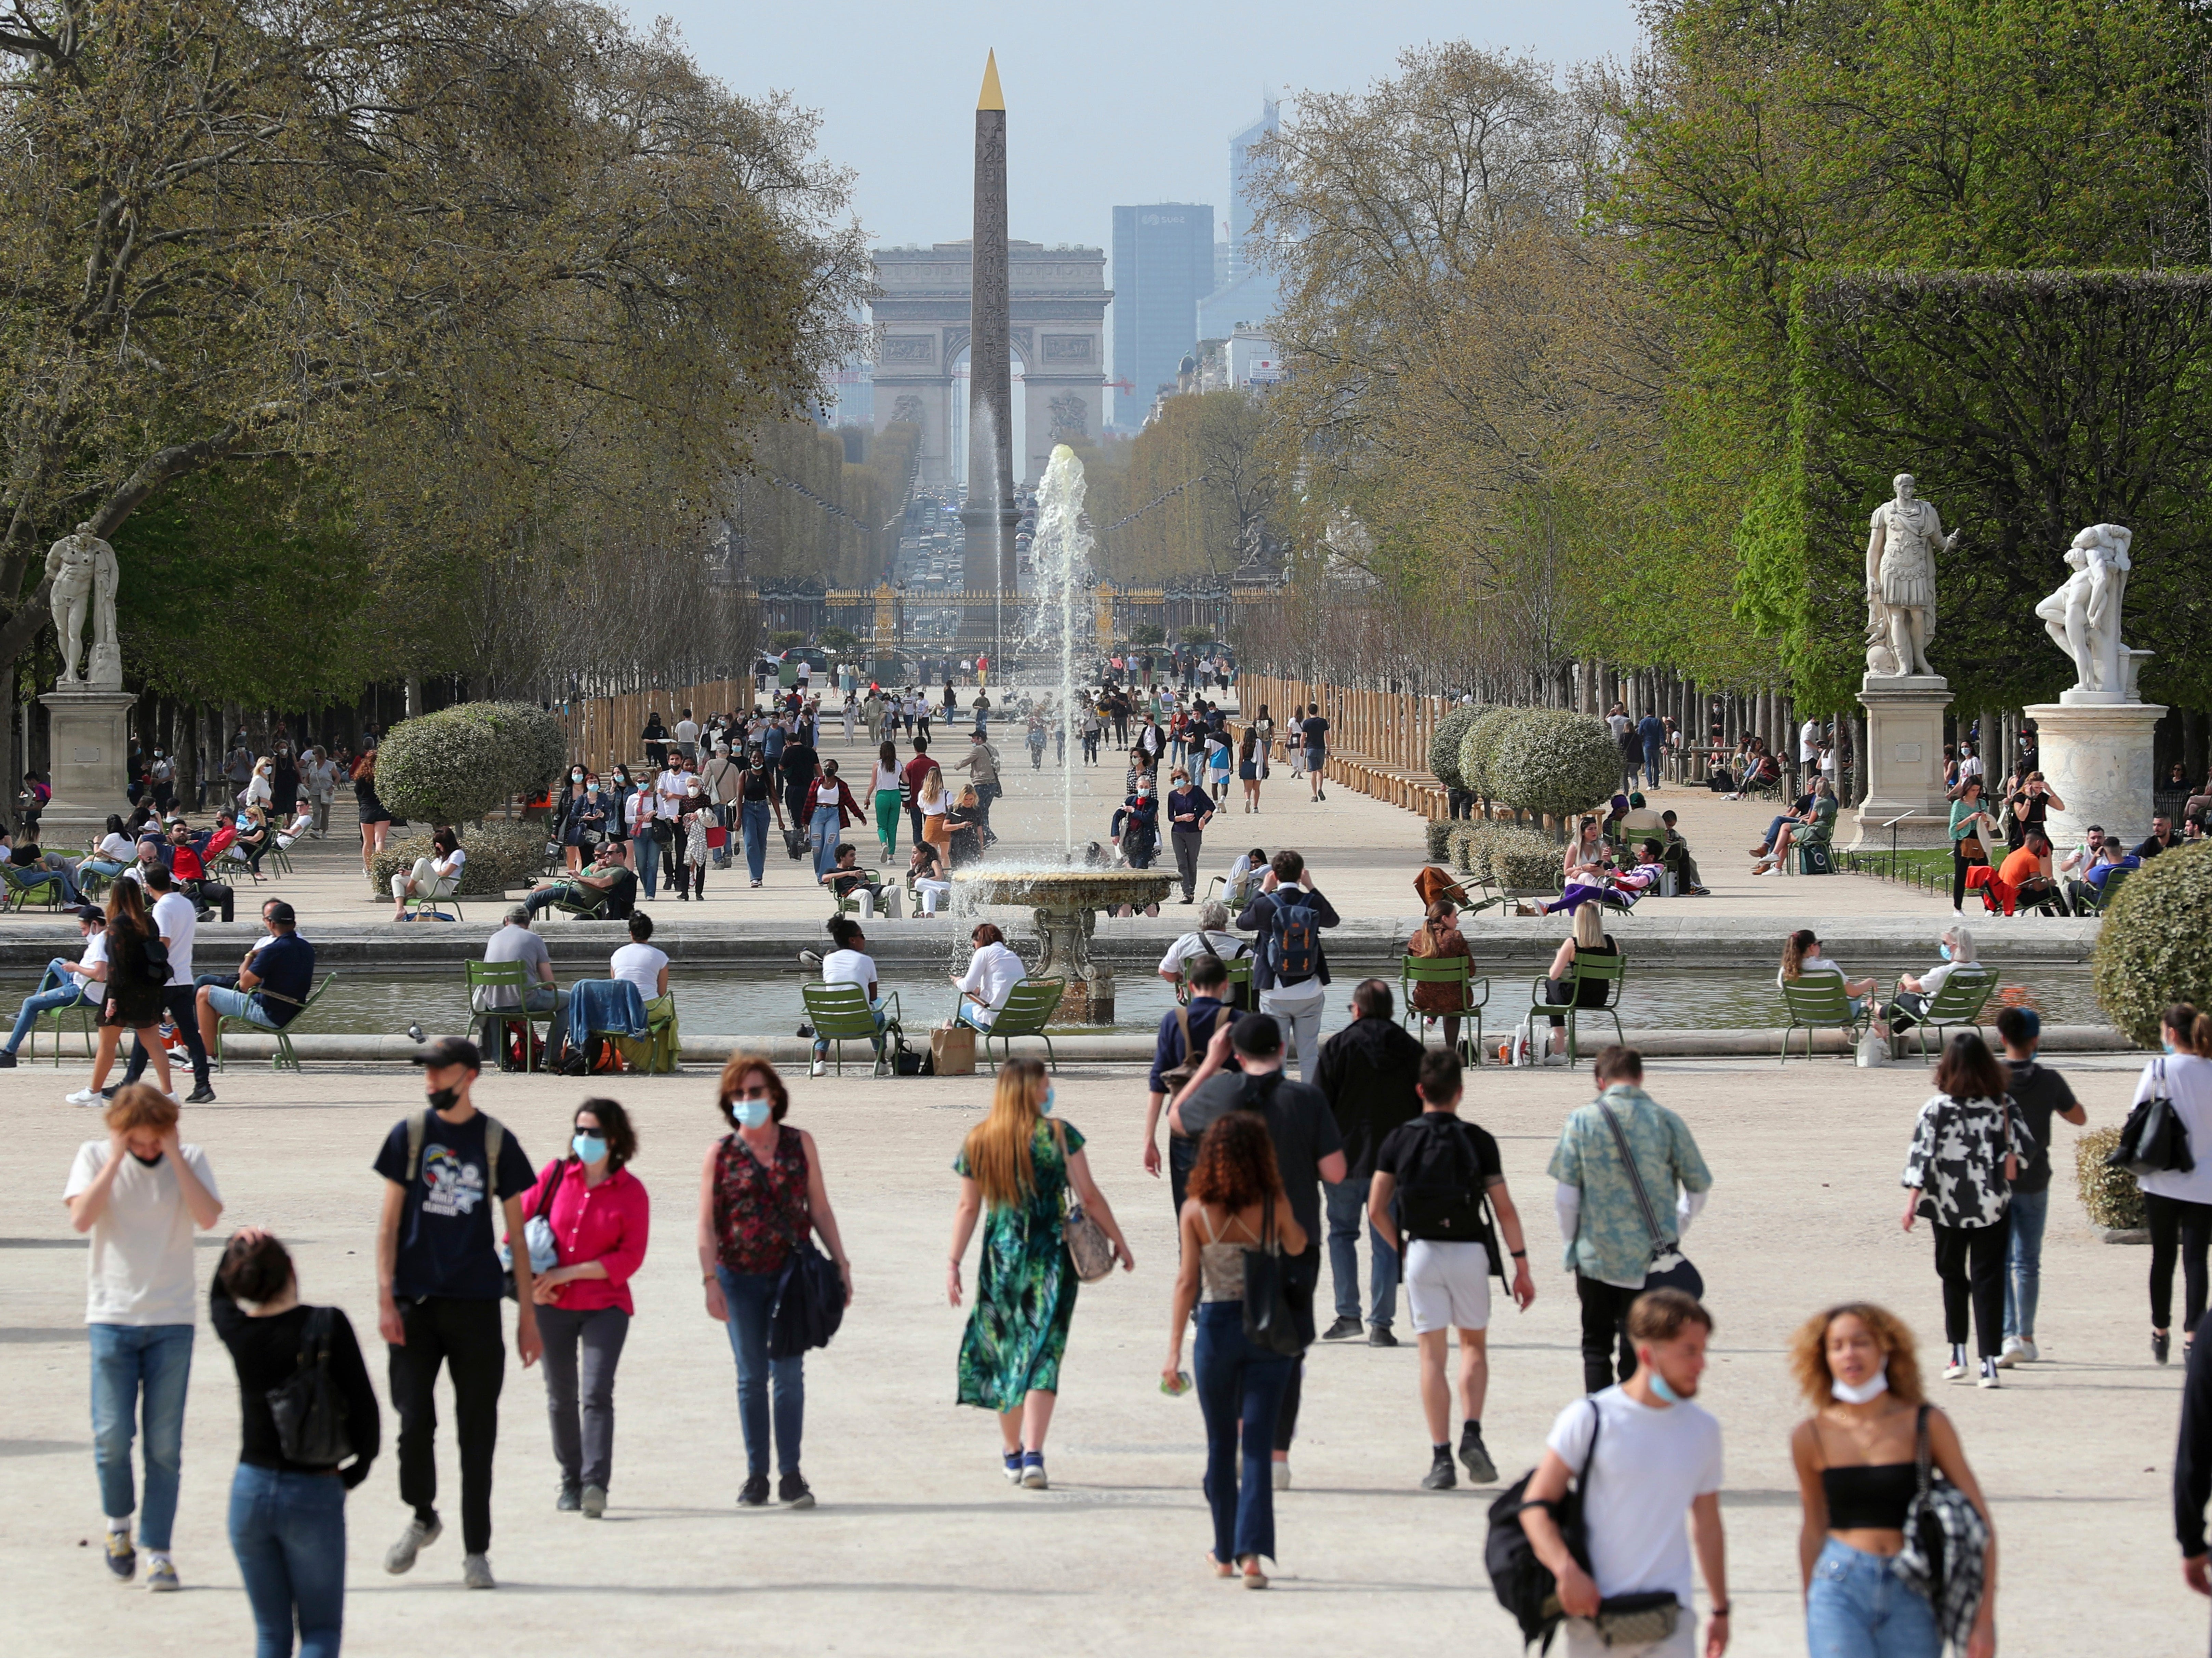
{"type": "Point", "coordinates": [2155, 946]}
{"type": "Point", "coordinates": [1444, 744]}
{"type": "Point", "coordinates": [1148, 633]}
{"type": "Point", "coordinates": [1555, 761]}
{"type": "Point", "coordinates": [458, 764]}
{"type": "Point", "coordinates": [1197, 635]}
{"type": "Point", "coordinates": [839, 639]}
{"type": "Point", "coordinates": [784, 638]}
{"type": "Point", "coordinates": [1478, 746]}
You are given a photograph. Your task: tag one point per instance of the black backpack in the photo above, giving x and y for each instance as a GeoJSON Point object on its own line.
{"type": "Point", "coordinates": [1444, 1208]}
{"type": "Point", "coordinates": [1295, 933]}
{"type": "Point", "coordinates": [1524, 1584]}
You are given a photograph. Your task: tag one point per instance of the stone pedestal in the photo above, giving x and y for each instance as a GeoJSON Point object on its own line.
{"type": "Point", "coordinates": [91, 751]}
{"type": "Point", "coordinates": [1904, 763]}
{"type": "Point", "coordinates": [2097, 758]}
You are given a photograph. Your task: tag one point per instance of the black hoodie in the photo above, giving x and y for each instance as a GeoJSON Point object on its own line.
{"type": "Point", "coordinates": [1370, 1071]}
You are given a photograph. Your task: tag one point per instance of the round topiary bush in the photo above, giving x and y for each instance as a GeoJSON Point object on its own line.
{"type": "Point", "coordinates": [1556, 762]}
{"type": "Point", "coordinates": [2111, 1196]}
{"type": "Point", "coordinates": [1479, 744]}
{"type": "Point", "coordinates": [1444, 742]}
{"type": "Point", "coordinates": [1437, 833]}
{"type": "Point", "coordinates": [1522, 860]}
{"type": "Point", "coordinates": [502, 857]}
{"type": "Point", "coordinates": [537, 746]}
{"type": "Point", "coordinates": [2155, 944]}
{"type": "Point", "coordinates": [450, 766]}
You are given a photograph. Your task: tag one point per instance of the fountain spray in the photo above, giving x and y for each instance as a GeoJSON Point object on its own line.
{"type": "Point", "coordinates": [1059, 554]}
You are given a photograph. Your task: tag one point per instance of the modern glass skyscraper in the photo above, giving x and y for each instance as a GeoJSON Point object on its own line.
{"type": "Point", "coordinates": [1248, 293]}
{"type": "Point", "coordinates": [1162, 266]}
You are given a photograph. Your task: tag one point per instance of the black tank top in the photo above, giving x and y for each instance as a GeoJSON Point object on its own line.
{"type": "Point", "coordinates": [1871, 1496]}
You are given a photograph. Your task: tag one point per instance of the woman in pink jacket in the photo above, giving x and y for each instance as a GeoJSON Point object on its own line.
{"type": "Point", "coordinates": [600, 1217]}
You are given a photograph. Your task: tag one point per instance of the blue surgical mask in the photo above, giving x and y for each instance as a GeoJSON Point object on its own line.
{"type": "Point", "coordinates": [1050, 1095]}
{"type": "Point", "coordinates": [750, 1114]}
{"type": "Point", "coordinates": [591, 1148]}
{"type": "Point", "coordinates": [1661, 1391]}
{"type": "Point", "coordinates": [1943, 950]}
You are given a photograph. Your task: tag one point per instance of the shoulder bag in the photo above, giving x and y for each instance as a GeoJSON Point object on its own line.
{"type": "Point", "coordinates": [810, 1298]}
{"type": "Point", "coordinates": [1271, 1322]}
{"type": "Point", "coordinates": [2153, 1140]}
{"type": "Point", "coordinates": [1090, 1251]}
{"type": "Point", "coordinates": [1670, 1269]}
{"type": "Point", "coordinates": [1946, 1548]}
{"type": "Point", "coordinates": [309, 1410]}
{"type": "Point", "coordinates": [536, 1233]}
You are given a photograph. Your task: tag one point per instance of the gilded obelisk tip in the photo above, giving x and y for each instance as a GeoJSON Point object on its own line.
{"type": "Point", "coordinates": [990, 97]}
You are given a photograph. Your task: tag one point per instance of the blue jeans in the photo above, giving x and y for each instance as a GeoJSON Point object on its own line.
{"type": "Point", "coordinates": [1347, 1202]}
{"type": "Point", "coordinates": [289, 1533]}
{"type": "Point", "coordinates": [56, 989]}
{"type": "Point", "coordinates": [1857, 1607]}
{"type": "Point", "coordinates": [1240, 1388]}
{"type": "Point", "coordinates": [1652, 753]}
{"type": "Point", "coordinates": [755, 815]}
{"type": "Point", "coordinates": [2024, 1261]}
{"type": "Point", "coordinates": [748, 1296]}
{"type": "Point", "coordinates": [827, 823]}
{"type": "Point", "coordinates": [648, 859]}
{"type": "Point", "coordinates": [133, 1363]}
{"type": "Point", "coordinates": [876, 1007]}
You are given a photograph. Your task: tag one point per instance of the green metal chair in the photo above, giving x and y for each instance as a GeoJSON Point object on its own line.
{"type": "Point", "coordinates": [88, 1014]}
{"type": "Point", "coordinates": [1239, 986]}
{"type": "Point", "coordinates": [1608, 970]}
{"type": "Point", "coordinates": [2101, 897]}
{"type": "Point", "coordinates": [1958, 1004]}
{"type": "Point", "coordinates": [284, 1058]}
{"type": "Point", "coordinates": [1030, 1004]}
{"type": "Point", "coordinates": [1457, 970]}
{"type": "Point", "coordinates": [427, 905]}
{"type": "Point", "coordinates": [849, 904]}
{"type": "Point", "coordinates": [26, 886]}
{"type": "Point", "coordinates": [840, 1014]}
{"type": "Point", "coordinates": [1818, 1001]}
{"type": "Point", "coordinates": [485, 976]}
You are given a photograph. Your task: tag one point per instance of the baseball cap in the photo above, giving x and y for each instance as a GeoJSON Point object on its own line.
{"type": "Point", "coordinates": [449, 1050]}
{"type": "Point", "coordinates": [1258, 1035]}
{"type": "Point", "coordinates": [92, 913]}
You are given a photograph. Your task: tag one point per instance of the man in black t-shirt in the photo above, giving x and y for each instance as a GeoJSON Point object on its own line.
{"type": "Point", "coordinates": [1308, 1150]}
{"type": "Point", "coordinates": [2039, 1094]}
{"type": "Point", "coordinates": [1209, 989]}
{"type": "Point", "coordinates": [438, 1282]}
{"type": "Point", "coordinates": [1442, 1170]}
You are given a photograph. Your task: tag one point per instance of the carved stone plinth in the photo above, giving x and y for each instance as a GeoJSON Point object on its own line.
{"type": "Point", "coordinates": [2097, 758]}
{"type": "Point", "coordinates": [91, 751]}
{"type": "Point", "coordinates": [1905, 763]}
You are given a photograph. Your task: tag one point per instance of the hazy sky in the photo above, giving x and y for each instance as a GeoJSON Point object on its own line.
{"type": "Point", "coordinates": [1126, 102]}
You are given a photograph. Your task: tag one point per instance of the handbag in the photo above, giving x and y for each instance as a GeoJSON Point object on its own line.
{"type": "Point", "coordinates": [1670, 1269]}
{"type": "Point", "coordinates": [2153, 1140]}
{"type": "Point", "coordinates": [810, 1302]}
{"type": "Point", "coordinates": [537, 1237]}
{"type": "Point", "coordinates": [1270, 1320]}
{"type": "Point", "coordinates": [1090, 1251]}
{"type": "Point", "coordinates": [1946, 1551]}
{"type": "Point", "coordinates": [309, 1410]}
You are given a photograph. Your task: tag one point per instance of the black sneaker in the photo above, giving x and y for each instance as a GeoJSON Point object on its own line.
{"type": "Point", "coordinates": [754, 1493]}
{"type": "Point", "coordinates": [1480, 1470]}
{"type": "Point", "coordinates": [570, 1501]}
{"type": "Point", "coordinates": [122, 1558]}
{"type": "Point", "coordinates": [1343, 1330]}
{"type": "Point", "coordinates": [2160, 1345]}
{"type": "Point", "coordinates": [1380, 1336]}
{"type": "Point", "coordinates": [1440, 1477]}
{"type": "Point", "coordinates": [792, 1491]}
{"type": "Point", "coordinates": [201, 1095]}
{"type": "Point", "coordinates": [7, 1061]}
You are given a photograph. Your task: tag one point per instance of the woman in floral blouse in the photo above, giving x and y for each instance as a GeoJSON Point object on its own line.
{"type": "Point", "coordinates": [1968, 1147]}
{"type": "Point", "coordinates": [761, 1193]}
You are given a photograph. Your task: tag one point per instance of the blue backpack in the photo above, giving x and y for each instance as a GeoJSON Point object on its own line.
{"type": "Point", "coordinates": [1295, 935]}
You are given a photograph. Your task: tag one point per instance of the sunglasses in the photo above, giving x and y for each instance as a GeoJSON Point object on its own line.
{"type": "Point", "coordinates": [751, 1094]}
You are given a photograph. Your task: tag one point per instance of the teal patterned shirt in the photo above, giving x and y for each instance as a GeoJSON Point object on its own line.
{"type": "Point", "coordinates": [1611, 1242]}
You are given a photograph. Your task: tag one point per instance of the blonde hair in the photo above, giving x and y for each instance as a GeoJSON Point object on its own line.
{"type": "Point", "coordinates": [1809, 1352]}
{"type": "Point", "coordinates": [997, 1149]}
{"type": "Point", "coordinates": [932, 788]}
{"type": "Point", "coordinates": [141, 1105]}
{"type": "Point", "coordinates": [1589, 926]}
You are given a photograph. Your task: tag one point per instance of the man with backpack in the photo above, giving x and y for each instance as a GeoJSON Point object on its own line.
{"type": "Point", "coordinates": [1184, 1033]}
{"type": "Point", "coordinates": [439, 1283]}
{"type": "Point", "coordinates": [1291, 974]}
{"type": "Point", "coordinates": [1446, 1176]}
{"type": "Point", "coordinates": [1371, 1074]}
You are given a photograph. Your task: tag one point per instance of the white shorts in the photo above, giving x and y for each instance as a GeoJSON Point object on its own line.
{"type": "Point", "coordinates": [1447, 1285]}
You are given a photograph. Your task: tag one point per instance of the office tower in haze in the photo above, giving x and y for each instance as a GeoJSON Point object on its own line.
{"type": "Point", "coordinates": [1162, 266]}
{"type": "Point", "coordinates": [1247, 294]}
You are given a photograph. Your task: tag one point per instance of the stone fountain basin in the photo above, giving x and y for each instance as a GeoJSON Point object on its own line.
{"type": "Point", "coordinates": [1065, 889]}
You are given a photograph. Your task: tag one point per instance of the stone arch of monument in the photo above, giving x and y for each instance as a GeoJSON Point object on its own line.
{"type": "Point", "coordinates": [1058, 303]}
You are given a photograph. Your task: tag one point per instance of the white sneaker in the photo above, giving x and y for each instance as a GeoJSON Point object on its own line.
{"type": "Point", "coordinates": [2028, 1355]}
{"type": "Point", "coordinates": [1954, 1370]}
{"type": "Point", "coordinates": [84, 1096]}
{"type": "Point", "coordinates": [2009, 1355]}
{"type": "Point", "coordinates": [815, 1069]}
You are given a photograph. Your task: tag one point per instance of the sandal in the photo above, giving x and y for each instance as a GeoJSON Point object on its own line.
{"type": "Point", "coordinates": [1216, 1566]}
{"type": "Point", "coordinates": [1254, 1577]}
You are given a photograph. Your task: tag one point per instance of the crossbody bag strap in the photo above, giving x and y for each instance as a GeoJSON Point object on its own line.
{"type": "Point", "coordinates": [1635, 1176]}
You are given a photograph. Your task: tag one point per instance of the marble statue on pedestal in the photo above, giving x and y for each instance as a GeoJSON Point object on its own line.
{"type": "Point", "coordinates": [82, 574]}
{"type": "Point", "coordinates": [1904, 535]}
{"type": "Point", "coordinates": [2083, 617]}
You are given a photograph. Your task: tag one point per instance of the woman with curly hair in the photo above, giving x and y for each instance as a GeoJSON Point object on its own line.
{"type": "Point", "coordinates": [1858, 1459]}
{"type": "Point", "coordinates": [1237, 1203]}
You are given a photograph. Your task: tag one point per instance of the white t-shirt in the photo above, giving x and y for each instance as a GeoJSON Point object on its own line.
{"type": "Point", "coordinates": [449, 866]}
{"type": "Point", "coordinates": [95, 955]}
{"type": "Point", "coordinates": [141, 1269]}
{"type": "Point", "coordinates": [116, 849]}
{"type": "Point", "coordinates": [1618, 722]}
{"type": "Point", "coordinates": [2189, 1085]}
{"type": "Point", "coordinates": [175, 920]}
{"type": "Point", "coordinates": [1226, 945]}
{"type": "Point", "coordinates": [991, 973]}
{"type": "Point", "coordinates": [849, 967]}
{"type": "Point", "coordinates": [887, 777]}
{"type": "Point", "coordinates": [687, 731]}
{"type": "Point", "coordinates": [669, 789]}
{"type": "Point", "coordinates": [1809, 742]}
{"type": "Point", "coordinates": [1650, 1462]}
{"type": "Point", "coordinates": [1813, 964]}
{"type": "Point", "coordinates": [641, 964]}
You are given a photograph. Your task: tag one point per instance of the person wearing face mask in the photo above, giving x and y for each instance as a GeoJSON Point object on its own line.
{"type": "Point", "coordinates": [1956, 950]}
{"type": "Point", "coordinates": [439, 1283]}
{"type": "Point", "coordinates": [641, 816]}
{"type": "Point", "coordinates": [570, 828]}
{"type": "Point", "coordinates": [600, 1220]}
{"type": "Point", "coordinates": [762, 1191]}
{"type": "Point", "coordinates": [1654, 1454]}
{"type": "Point", "coordinates": [1858, 1459]}
{"type": "Point", "coordinates": [141, 1194]}
{"type": "Point", "coordinates": [757, 799]}
{"type": "Point", "coordinates": [1136, 826]}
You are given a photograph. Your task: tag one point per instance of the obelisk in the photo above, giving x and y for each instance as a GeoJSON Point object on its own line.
{"type": "Point", "coordinates": [989, 516]}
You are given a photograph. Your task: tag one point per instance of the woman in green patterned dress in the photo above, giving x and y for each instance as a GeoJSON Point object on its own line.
{"type": "Point", "coordinates": [1021, 1165]}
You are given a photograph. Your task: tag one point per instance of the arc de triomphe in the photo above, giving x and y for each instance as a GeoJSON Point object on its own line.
{"type": "Point", "coordinates": [1059, 299]}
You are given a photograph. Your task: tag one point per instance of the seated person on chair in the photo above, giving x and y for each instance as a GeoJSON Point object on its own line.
{"type": "Point", "coordinates": [64, 983]}
{"type": "Point", "coordinates": [926, 868]}
{"type": "Point", "coordinates": [850, 964]}
{"type": "Point", "coordinates": [271, 990]}
{"type": "Point", "coordinates": [437, 875]}
{"type": "Point", "coordinates": [1802, 815]}
{"type": "Point", "coordinates": [1245, 872]}
{"type": "Point", "coordinates": [302, 821]}
{"type": "Point", "coordinates": [1676, 857]}
{"type": "Point", "coordinates": [1588, 941]}
{"type": "Point", "coordinates": [643, 962]}
{"type": "Point", "coordinates": [1436, 938]}
{"type": "Point", "coordinates": [2111, 858]}
{"type": "Point", "coordinates": [1914, 994]}
{"type": "Point", "coordinates": [1212, 937]}
{"type": "Point", "coordinates": [30, 863]}
{"type": "Point", "coordinates": [515, 942]}
{"type": "Point", "coordinates": [116, 852]}
{"type": "Point", "coordinates": [2028, 875]}
{"type": "Point", "coordinates": [219, 840]}
{"type": "Point", "coordinates": [255, 837]}
{"type": "Point", "coordinates": [992, 972]}
{"type": "Point", "coordinates": [845, 878]}
{"type": "Point", "coordinates": [188, 867]}
{"type": "Point", "coordinates": [608, 885]}
{"type": "Point", "coordinates": [1646, 874]}
{"type": "Point", "coordinates": [1640, 820]}
{"type": "Point", "coordinates": [1800, 955]}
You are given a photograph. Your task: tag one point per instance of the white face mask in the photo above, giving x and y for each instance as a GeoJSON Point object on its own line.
{"type": "Point", "coordinates": [1864, 1393]}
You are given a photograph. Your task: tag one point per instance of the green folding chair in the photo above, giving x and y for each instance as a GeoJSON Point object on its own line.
{"type": "Point", "coordinates": [1611, 971]}
{"type": "Point", "coordinates": [25, 887]}
{"type": "Point", "coordinates": [284, 1059]}
{"type": "Point", "coordinates": [87, 1012]}
{"type": "Point", "coordinates": [2099, 898]}
{"type": "Point", "coordinates": [840, 1013]}
{"type": "Point", "coordinates": [1957, 1006]}
{"type": "Point", "coordinates": [1030, 1004]}
{"type": "Point", "coordinates": [1238, 989]}
{"type": "Point", "coordinates": [487, 976]}
{"type": "Point", "coordinates": [1456, 970]}
{"type": "Point", "coordinates": [1818, 1001]}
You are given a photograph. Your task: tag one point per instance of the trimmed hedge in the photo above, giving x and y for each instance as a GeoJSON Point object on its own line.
{"type": "Point", "coordinates": [2110, 1195]}
{"type": "Point", "coordinates": [1557, 763]}
{"type": "Point", "coordinates": [458, 764]}
{"type": "Point", "coordinates": [1480, 745]}
{"type": "Point", "coordinates": [1439, 832]}
{"type": "Point", "coordinates": [537, 747]}
{"type": "Point", "coordinates": [2155, 944]}
{"type": "Point", "coordinates": [1524, 860]}
{"type": "Point", "coordinates": [1444, 745]}
{"type": "Point", "coordinates": [502, 857]}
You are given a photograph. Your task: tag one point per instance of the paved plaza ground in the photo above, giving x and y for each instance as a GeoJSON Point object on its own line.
{"type": "Point", "coordinates": [920, 1546]}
